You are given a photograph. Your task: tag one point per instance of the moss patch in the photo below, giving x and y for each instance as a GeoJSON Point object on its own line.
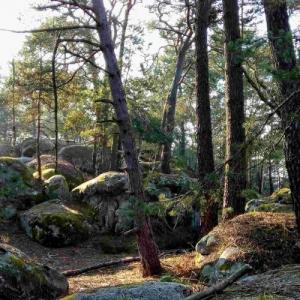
{"type": "Point", "coordinates": [55, 224]}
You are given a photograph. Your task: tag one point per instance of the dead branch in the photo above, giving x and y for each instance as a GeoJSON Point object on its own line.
{"type": "Point", "coordinates": [219, 287]}
{"type": "Point", "coordinates": [76, 272]}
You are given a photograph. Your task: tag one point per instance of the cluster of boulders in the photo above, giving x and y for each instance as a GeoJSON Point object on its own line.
{"type": "Point", "coordinates": [279, 201]}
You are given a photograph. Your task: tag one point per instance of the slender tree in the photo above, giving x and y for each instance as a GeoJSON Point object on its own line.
{"type": "Point", "coordinates": [235, 165]}
{"type": "Point", "coordinates": [168, 122]}
{"type": "Point", "coordinates": [147, 247]}
{"type": "Point", "coordinates": [205, 153]}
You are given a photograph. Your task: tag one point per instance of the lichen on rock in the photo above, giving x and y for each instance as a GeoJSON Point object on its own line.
{"type": "Point", "coordinates": [56, 224]}
{"type": "Point", "coordinates": [21, 279]}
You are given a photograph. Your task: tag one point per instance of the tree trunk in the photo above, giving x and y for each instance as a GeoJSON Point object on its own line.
{"type": "Point", "coordinates": [235, 167]}
{"type": "Point", "coordinates": [182, 140]}
{"type": "Point", "coordinates": [55, 95]}
{"type": "Point", "coordinates": [14, 129]}
{"type": "Point", "coordinates": [147, 247]}
{"type": "Point", "coordinates": [206, 165]}
{"type": "Point", "coordinates": [38, 152]}
{"type": "Point", "coordinates": [260, 178]}
{"type": "Point", "coordinates": [168, 120]}
{"type": "Point", "coordinates": [271, 185]}
{"type": "Point", "coordinates": [287, 77]}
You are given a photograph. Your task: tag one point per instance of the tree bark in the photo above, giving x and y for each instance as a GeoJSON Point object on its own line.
{"type": "Point", "coordinates": [206, 165]}
{"type": "Point", "coordinates": [168, 120]}
{"type": "Point", "coordinates": [14, 129]}
{"type": "Point", "coordinates": [235, 166]}
{"type": "Point", "coordinates": [55, 95]}
{"type": "Point", "coordinates": [271, 185]}
{"type": "Point", "coordinates": [288, 80]}
{"type": "Point", "coordinates": [147, 247]}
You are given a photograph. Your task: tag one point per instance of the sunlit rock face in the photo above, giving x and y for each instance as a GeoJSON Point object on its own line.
{"type": "Point", "coordinates": [107, 194]}
{"type": "Point", "coordinates": [21, 279]}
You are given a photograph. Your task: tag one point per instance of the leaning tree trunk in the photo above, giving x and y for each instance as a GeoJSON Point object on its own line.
{"type": "Point", "coordinates": [168, 121]}
{"type": "Point", "coordinates": [288, 79]}
{"type": "Point", "coordinates": [147, 247]}
{"type": "Point", "coordinates": [205, 153]}
{"type": "Point", "coordinates": [235, 166]}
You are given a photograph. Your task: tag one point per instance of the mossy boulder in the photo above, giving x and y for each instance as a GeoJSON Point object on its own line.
{"type": "Point", "coordinates": [17, 187]}
{"type": "Point", "coordinates": [73, 176]}
{"type": "Point", "coordinates": [79, 156]}
{"type": "Point", "coordinates": [55, 224]}
{"type": "Point", "coordinates": [105, 194]}
{"type": "Point", "coordinates": [113, 183]}
{"type": "Point", "coordinates": [57, 187]}
{"type": "Point", "coordinates": [279, 201]}
{"type": "Point", "coordinates": [23, 279]}
{"type": "Point", "coordinates": [282, 196]}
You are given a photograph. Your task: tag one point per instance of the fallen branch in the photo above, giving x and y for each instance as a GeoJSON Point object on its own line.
{"type": "Point", "coordinates": [75, 272]}
{"type": "Point", "coordinates": [219, 287]}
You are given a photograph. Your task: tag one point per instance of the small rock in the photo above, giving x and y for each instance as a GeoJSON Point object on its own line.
{"type": "Point", "coordinates": [206, 244]}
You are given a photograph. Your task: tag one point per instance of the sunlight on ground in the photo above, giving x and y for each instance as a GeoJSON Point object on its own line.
{"type": "Point", "coordinates": [181, 267]}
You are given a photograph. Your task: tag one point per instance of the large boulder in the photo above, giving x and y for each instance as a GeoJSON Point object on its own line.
{"type": "Point", "coordinates": [21, 279]}
{"type": "Point", "coordinates": [146, 291]}
{"type": "Point", "coordinates": [55, 224]}
{"type": "Point", "coordinates": [73, 176]}
{"type": "Point", "coordinates": [6, 149]}
{"type": "Point", "coordinates": [79, 156]}
{"type": "Point", "coordinates": [16, 187]}
{"type": "Point", "coordinates": [105, 194]}
{"type": "Point", "coordinates": [57, 187]}
{"type": "Point", "coordinates": [28, 147]}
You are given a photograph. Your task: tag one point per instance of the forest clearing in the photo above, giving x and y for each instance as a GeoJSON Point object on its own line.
{"type": "Point", "coordinates": [150, 150]}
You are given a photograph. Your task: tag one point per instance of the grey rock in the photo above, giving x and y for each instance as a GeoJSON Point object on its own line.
{"type": "Point", "coordinates": [55, 224]}
{"type": "Point", "coordinates": [146, 291]}
{"type": "Point", "coordinates": [79, 156]}
{"type": "Point", "coordinates": [206, 244]}
{"type": "Point", "coordinates": [21, 279]}
{"type": "Point", "coordinates": [105, 194]}
{"type": "Point", "coordinates": [57, 187]}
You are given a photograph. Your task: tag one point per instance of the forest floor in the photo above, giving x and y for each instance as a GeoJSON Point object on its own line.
{"type": "Point", "coordinates": [180, 267]}
{"type": "Point", "coordinates": [264, 233]}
